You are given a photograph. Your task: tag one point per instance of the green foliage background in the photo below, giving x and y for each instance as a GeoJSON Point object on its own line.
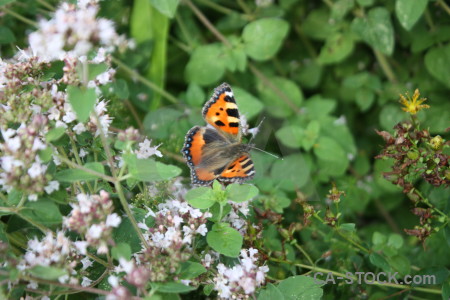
{"type": "Point", "coordinates": [325, 75]}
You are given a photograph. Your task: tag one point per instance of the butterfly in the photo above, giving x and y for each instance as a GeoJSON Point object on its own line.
{"type": "Point", "coordinates": [216, 151]}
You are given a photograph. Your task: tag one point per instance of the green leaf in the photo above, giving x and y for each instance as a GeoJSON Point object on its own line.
{"type": "Point", "coordinates": [378, 238]}
{"type": "Point", "coordinates": [126, 234]}
{"type": "Point", "coordinates": [395, 240]}
{"type": "Point", "coordinates": [270, 292]}
{"type": "Point", "coordinates": [376, 30]}
{"type": "Point", "coordinates": [332, 158]}
{"type": "Point", "coordinates": [3, 2]}
{"type": "Point", "coordinates": [291, 136]}
{"type": "Point", "coordinates": [82, 101]}
{"type": "Point", "coordinates": [121, 250]}
{"type": "Point", "coordinates": [311, 134]}
{"type": "Point", "coordinates": [202, 197]}
{"type": "Point", "coordinates": [291, 172]}
{"type": "Point", "coordinates": [225, 240]}
{"type": "Point", "coordinates": [195, 96]}
{"type": "Point", "coordinates": [274, 104]}
{"type": "Point", "coordinates": [46, 154]}
{"type": "Point", "coordinates": [94, 70]}
{"type": "Point", "coordinates": [300, 288]}
{"type": "Point", "coordinates": [166, 7]}
{"type": "Point", "coordinates": [248, 104]}
{"type": "Point", "coordinates": [350, 227]}
{"type": "Point", "coordinates": [437, 62]}
{"type": "Point", "coordinates": [190, 269]}
{"type": "Point", "coordinates": [43, 211]}
{"type": "Point", "coordinates": [120, 87]}
{"type": "Point", "coordinates": [337, 47]}
{"type": "Point", "coordinates": [48, 273]}
{"type": "Point", "coordinates": [264, 37]}
{"type": "Point", "coordinates": [206, 65]}
{"type": "Point", "coordinates": [6, 35]}
{"type": "Point", "coordinates": [173, 287]}
{"type": "Point", "coordinates": [445, 291]}
{"type": "Point", "coordinates": [241, 192]}
{"type": "Point", "coordinates": [72, 175]}
{"type": "Point", "coordinates": [379, 261]}
{"type": "Point", "coordinates": [149, 170]}
{"type": "Point", "coordinates": [409, 12]}
{"type": "Point", "coordinates": [54, 134]}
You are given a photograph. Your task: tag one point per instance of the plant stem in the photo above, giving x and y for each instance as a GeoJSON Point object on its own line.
{"type": "Point", "coordinates": [145, 81]}
{"type": "Point", "coordinates": [217, 7]}
{"type": "Point", "coordinates": [19, 17]}
{"type": "Point", "coordinates": [76, 166]}
{"type": "Point", "coordinates": [77, 157]}
{"type": "Point", "coordinates": [383, 284]}
{"type": "Point", "coordinates": [127, 209]}
{"type": "Point", "coordinates": [384, 64]}
{"type": "Point", "coordinates": [207, 23]}
{"type": "Point", "coordinates": [444, 6]}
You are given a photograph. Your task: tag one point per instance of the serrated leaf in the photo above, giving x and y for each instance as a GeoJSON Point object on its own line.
{"type": "Point", "coordinates": [190, 269]}
{"type": "Point", "coordinates": [82, 101]}
{"type": "Point", "coordinates": [202, 197]}
{"type": "Point", "coordinates": [241, 192]}
{"type": "Point", "coordinates": [264, 37]}
{"type": "Point", "coordinates": [300, 288]}
{"type": "Point", "coordinates": [72, 175]}
{"type": "Point", "coordinates": [121, 250]}
{"type": "Point", "coordinates": [376, 30]}
{"type": "Point", "coordinates": [149, 170]}
{"type": "Point", "coordinates": [43, 212]}
{"type": "Point", "coordinates": [437, 62]}
{"type": "Point", "coordinates": [409, 12]}
{"type": "Point", "coordinates": [225, 240]}
{"type": "Point", "coordinates": [205, 65]}
{"type": "Point", "coordinates": [48, 273]}
{"type": "Point", "coordinates": [166, 7]}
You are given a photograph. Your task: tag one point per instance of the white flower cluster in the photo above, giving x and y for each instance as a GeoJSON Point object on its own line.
{"type": "Point", "coordinates": [145, 150]}
{"type": "Point", "coordinates": [93, 217]}
{"type": "Point", "coordinates": [74, 31]}
{"type": "Point", "coordinates": [51, 251]}
{"type": "Point", "coordinates": [242, 279]}
{"type": "Point", "coordinates": [178, 223]}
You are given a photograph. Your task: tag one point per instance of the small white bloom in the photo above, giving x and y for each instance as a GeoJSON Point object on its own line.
{"type": "Point", "coordinates": [142, 225]}
{"type": "Point", "coordinates": [127, 266]}
{"type": "Point", "coordinates": [36, 169]}
{"type": "Point", "coordinates": [86, 263]}
{"type": "Point", "coordinates": [83, 153]}
{"type": "Point", "coordinates": [32, 285]}
{"type": "Point", "coordinates": [33, 197]}
{"type": "Point", "coordinates": [202, 230]}
{"type": "Point", "coordinates": [145, 150]}
{"type": "Point", "coordinates": [95, 231]}
{"type": "Point", "coordinates": [81, 246]}
{"type": "Point", "coordinates": [79, 128]}
{"type": "Point", "coordinates": [113, 220]}
{"type": "Point", "coordinates": [51, 187]}
{"type": "Point", "coordinates": [38, 145]}
{"type": "Point", "coordinates": [113, 280]}
{"type": "Point", "coordinates": [86, 281]}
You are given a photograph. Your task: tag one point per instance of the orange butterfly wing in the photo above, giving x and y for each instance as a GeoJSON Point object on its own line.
{"type": "Point", "coordinates": [240, 170]}
{"type": "Point", "coordinates": [222, 112]}
{"type": "Point", "coordinates": [193, 152]}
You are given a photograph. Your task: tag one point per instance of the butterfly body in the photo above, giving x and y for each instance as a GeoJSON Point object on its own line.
{"type": "Point", "coordinates": [216, 150]}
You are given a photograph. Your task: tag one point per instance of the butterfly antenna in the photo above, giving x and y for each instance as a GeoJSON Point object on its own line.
{"type": "Point", "coordinates": [271, 154]}
{"type": "Point", "coordinates": [257, 130]}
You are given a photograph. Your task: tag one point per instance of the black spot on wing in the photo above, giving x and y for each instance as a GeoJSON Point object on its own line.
{"type": "Point", "coordinates": [230, 99]}
{"type": "Point", "coordinates": [247, 164]}
{"type": "Point", "coordinates": [219, 170]}
{"type": "Point", "coordinates": [233, 112]}
{"type": "Point", "coordinates": [233, 124]}
{"type": "Point", "coordinates": [219, 123]}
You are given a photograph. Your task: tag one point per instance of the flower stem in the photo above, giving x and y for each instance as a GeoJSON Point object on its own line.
{"type": "Point", "coordinates": [19, 17]}
{"type": "Point", "coordinates": [127, 209]}
{"type": "Point", "coordinates": [144, 81]}
{"type": "Point", "coordinates": [384, 64]}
